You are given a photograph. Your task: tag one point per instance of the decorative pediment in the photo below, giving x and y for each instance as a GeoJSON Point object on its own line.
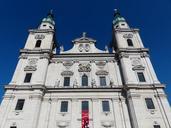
{"type": "Point", "coordinates": [102, 72]}
{"type": "Point", "coordinates": [138, 67]}
{"type": "Point", "coordinates": [84, 68]}
{"type": "Point", "coordinates": [68, 64]}
{"type": "Point", "coordinates": [67, 73]}
{"type": "Point", "coordinates": [30, 68]}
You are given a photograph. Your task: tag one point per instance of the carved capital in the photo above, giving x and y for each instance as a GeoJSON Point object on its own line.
{"type": "Point", "coordinates": [145, 54]}
{"type": "Point", "coordinates": [123, 55]}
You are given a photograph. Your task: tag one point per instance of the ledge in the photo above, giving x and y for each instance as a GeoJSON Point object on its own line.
{"type": "Point", "coordinates": [41, 30]}
{"type": "Point", "coordinates": [144, 86]}
{"type": "Point", "coordinates": [33, 51]}
{"type": "Point", "coordinates": [133, 50]}
{"type": "Point", "coordinates": [53, 89]}
{"type": "Point", "coordinates": [24, 87]}
{"type": "Point", "coordinates": [126, 29]}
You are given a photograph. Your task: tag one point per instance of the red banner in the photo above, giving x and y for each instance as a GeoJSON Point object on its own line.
{"type": "Point", "coordinates": [85, 119]}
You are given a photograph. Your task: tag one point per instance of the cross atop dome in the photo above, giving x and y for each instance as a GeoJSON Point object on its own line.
{"type": "Point", "coordinates": [84, 34]}
{"type": "Point", "coordinates": [119, 21]}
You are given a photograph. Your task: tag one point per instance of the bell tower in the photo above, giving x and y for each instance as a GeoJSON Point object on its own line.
{"type": "Point", "coordinates": [138, 76]}
{"type": "Point", "coordinates": [134, 58]}
{"type": "Point", "coordinates": [34, 57]}
{"type": "Point", "coordinates": [26, 89]}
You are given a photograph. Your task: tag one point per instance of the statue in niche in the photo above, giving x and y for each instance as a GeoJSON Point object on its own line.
{"type": "Point", "coordinates": [93, 83]}
{"type": "Point", "coordinates": [111, 82]}
{"type": "Point", "coordinates": [57, 83]}
{"type": "Point", "coordinates": [75, 83]}
{"type": "Point", "coordinates": [61, 48]}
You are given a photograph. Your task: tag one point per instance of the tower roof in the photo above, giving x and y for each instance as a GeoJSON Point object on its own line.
{"type": "Point", "coordinates": [118, 17]}
{"type": "Point", "coordinates": [49, 18]}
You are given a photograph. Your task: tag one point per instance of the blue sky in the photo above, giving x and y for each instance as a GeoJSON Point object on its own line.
{"type": "Point", "coordinates": [73, 17]}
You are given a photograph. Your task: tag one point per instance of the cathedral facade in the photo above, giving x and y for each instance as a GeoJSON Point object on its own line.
{"type": "Point", "coordinates": [84, 87]}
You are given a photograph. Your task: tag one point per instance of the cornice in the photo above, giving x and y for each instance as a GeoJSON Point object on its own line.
{"type": "Point", "coordinates": [144, 86]}
{"type": "Point", "coordinates": [69, 89]}
{"type": "Point", "coordinates": [25, 87]}
{"type": "Point", "coordinates": [35, 51]}
{"type": "Point", "coordinates": [85, 55]}
{"type": "Point", "coordinates": [132, 50]}
{"type": "Point", "coordinates": [41, 30]}
{"type": "Point", "coordinates": [126, 30]}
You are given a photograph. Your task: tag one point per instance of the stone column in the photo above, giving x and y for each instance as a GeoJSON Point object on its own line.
{"type": "Point", "coordinates": [75, 114]}
{"type": "Point", "coordinates": [131, 107]}
{"type": "Point", "coordinates": [117, 113]}
{"type": "Point", "coordinates": [5, 108]}
{"type": "Point", "coordinates": [37, 99]}
{"type": "Point", "coordinates": [95, 113]}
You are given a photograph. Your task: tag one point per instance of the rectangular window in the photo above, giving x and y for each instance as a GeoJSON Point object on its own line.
{"type": "Point", "coordinates": [102, 81]}
{"type": "Point", "coordinates": [85, 106]}
{"type": "Point", "coordinates": [66, 81]}
{"type": "Point", "coordinates": [141, 77]}
{"type": "Point", "coordinates": [105, 106]}
{"type": "Point", "coordinates": [28, 77]}
{"type": "Point", "coordinates": [156, 126]}
{"type": "Point", "coordinates": [20, 104]}
{"type": "Point", "coordinates": [64, 106]}
{"type": "Point", "coordinates": [149, 103]}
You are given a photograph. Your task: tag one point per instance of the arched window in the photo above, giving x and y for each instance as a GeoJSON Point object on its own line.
{"type": "Point", "coordinates": [84, 80]}
{"type": "Point", "coordinates": [130, 43]}
{"type": "Point", "coordinates": [38, 43]}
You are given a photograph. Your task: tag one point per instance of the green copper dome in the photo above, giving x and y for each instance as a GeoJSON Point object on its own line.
{"type": "Point", "coordinates": [49, 18]}
{"type": "Point", "coordinates": [118, 17]}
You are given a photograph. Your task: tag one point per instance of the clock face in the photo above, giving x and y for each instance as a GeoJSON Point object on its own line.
{"type": "Point", "coordinates": [87, 47]}
{"type": "Point", "coordinates": [80, 47]}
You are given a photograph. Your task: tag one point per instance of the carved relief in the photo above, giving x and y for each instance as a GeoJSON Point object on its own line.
{"type": "Point", "coordinates": [102, 72]}
{"type": "Point", "coordinates": [128, 35]}
{"type": "Point", "coordinates": [84, 68]}
{"type": "Point", "coordinates": [67, 73]}
{"type": "Point", "coordinates": [137, 64]}
{"type": "Point", "coordinates": [32, 61]}
{"type": "Point", "coordinates": [31, 65]}
{"type": "Point", "coordinates": [39, 36]}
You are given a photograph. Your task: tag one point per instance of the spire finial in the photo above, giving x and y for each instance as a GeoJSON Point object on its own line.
{"type": "Point", "coordinates": [51, 13]}
{"type": "Point", "coordinates": [84, 34]}
{"type": "Point", "coordinates": [116, 12]}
